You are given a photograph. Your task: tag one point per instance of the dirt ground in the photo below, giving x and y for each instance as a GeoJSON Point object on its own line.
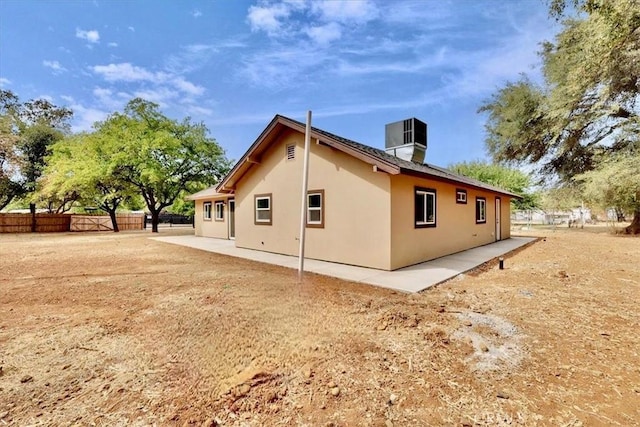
{"type": "Point", "coordinates": [117, 329]}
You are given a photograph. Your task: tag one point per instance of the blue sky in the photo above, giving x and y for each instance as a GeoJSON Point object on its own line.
{"type": "Point", "coordinates": [234, 64]}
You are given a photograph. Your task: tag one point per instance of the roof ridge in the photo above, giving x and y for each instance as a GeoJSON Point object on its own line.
{"type": "Point", "coordinates": [403, 166]}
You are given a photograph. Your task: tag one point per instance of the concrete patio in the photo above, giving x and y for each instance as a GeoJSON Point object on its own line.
{"type": "Point", "coordinates": [415, 278]}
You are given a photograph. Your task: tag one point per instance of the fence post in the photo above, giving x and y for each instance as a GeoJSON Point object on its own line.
{"type": "Point", "coordinates": [32, 208]}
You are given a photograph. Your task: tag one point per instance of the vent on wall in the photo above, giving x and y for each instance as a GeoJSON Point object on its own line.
{"type": "Point", "coordinates": [291, 152]}
{"type": "Point", "coordinates": [407, 139]}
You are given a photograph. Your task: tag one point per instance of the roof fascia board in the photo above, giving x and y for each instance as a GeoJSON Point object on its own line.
{"type": "Point", "coordinates": [248, 155]}
{"type": "Point", "coordinates": [426, 175]}
{"type": "Point", "coordinates": [365, 157]}
{"type": "Point", "coordinates": [246, 161]}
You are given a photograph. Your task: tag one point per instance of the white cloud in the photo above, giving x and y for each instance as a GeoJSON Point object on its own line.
{"type": "Point", "coordinates": [196, 110]}
{"type": "Point", "coordinates": [408, 64]}
{"type": "Point", "coordinates": [108, 99]}
{"type": "Point", "coordinates": [124, 72]}
{"type": "Point", "coordinates": [268, 17]}
{"type": "Point", "coordinates": [92, 36]}
{"type": "Point", "coordinates": [55, 66]}
{"type": "Point", "coordinates": [418, 12]}
{"type": "Point", "coordinates": [112, 44]}
{"type": "Point", "coordinates": [84, 117]}
{"type": "Point", "coordinates": [323, 21]}
{"type": "Point", "coordinates": [101, 92]}
{"type": "Point", "coordinates": [190, 58]}
{"type": "Point", "coordinates": [132, 29]}
{"type": "Point", "coordinates": [325, 34]}
{"type": "Point", "coordinates": [345, 11]}
{"type": "Point", "coordinates": [158, 86]}
{"type": "Point", "coordinates": [160, 95]}
{"type": "Point", "coordinates": [4, 81]}
{"type": "Point", "coordinates": [278, 68]}
{"type": "Point", "coordinates": [196, 13]}
{"type": "Point", "coordinates": [188, 87]}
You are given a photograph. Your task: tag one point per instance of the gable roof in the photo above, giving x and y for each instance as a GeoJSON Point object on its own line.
{"type": "Point", "coordinates": [382, 160]}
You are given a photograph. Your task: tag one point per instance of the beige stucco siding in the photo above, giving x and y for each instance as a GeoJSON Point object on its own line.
{"type": "Point", "coordinates": [211, 228]}
{"type": "Point", "coordinates": [456, 228]}
{"type": "Point", "coordinates": [356, 205]}
{"type": "Point", "coordinates": [506, 217]}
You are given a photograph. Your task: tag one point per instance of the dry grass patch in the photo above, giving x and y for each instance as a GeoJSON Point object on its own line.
{"type": "Point", "coordinates": [117, 329]}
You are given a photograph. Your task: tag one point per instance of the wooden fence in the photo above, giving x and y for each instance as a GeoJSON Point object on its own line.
{"type": "Point", "coordinates": [52, 223]}
{"type": "Point", "coordinates": [44, 223]}
{"type": "Point", "coordinates": [103, 222]}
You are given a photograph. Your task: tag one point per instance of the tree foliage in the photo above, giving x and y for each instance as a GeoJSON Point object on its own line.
{"type": "Point", "coordinates": [161, 157]}
{"type": "Point", "coordinates": [615, 182]}
{"type": "Point", "coordinates": [27, 130]}
{"type": "Point", "coordinates": [82, 168]}
{"type": "Point", "coordinates": [513, 180]}
{"type": "Point", "coordinates": [587, 107]}
{"type": "Point", "coordinates": [10, 185]}
{"type": "Point", "coordinates": [33, 146]}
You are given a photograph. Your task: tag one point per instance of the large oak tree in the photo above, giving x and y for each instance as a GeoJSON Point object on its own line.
{"type": "Point", "coordinates": [587, 109]}
{"type": "Point", "coordinates": [161, 157]}
{"type": "Point", "coordinates": [27, 130]}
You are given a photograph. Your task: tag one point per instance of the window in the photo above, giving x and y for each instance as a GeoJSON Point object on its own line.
{"type": "Point", "coordinates": [315, 209]}
{"type": "Point", "coordinates": [206, 211]}
{"type": "Point", "coordinates": [263, 209]}
{"type": "Point", "coordinates": [219, 209]}
{"type": "Point", "coordinates": [291, 152]}
{"type": "Point", "coordinates": [461, 196]}
{"type": "Point", "coordinates": [425, 207]}
{"type": "Point", "coordinates": [481, 210]}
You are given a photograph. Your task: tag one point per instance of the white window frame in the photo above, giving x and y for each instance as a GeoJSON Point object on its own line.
{"type": "Point", "coordinates": [269, 209]}
{"type": "Point", "coordinates": [426, 193]}
{"type": "Point", "coordinates": [219, 211]}
{"type": "Point", "coordinates": [481, 210]}
{"type": "Point", "coordinates": [206, 211]}
{"type": "Point", "coordinates": [461, 196]}
{"type": "Point", "coordinates": [315, 224]}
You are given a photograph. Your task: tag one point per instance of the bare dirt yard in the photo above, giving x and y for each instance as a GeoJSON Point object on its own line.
{"type": "Point", "coordinates": [117, 329]}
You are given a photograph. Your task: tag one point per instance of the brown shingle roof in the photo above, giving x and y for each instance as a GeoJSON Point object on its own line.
{"type": "Point", "coordinates": [375, 156]}
{"type": "Point", "coordinates": [409, 167]}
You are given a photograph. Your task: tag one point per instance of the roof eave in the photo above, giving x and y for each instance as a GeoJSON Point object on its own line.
{"type": "Point", "coordinates": [427, 175]}
{"type": "Point", "coordinates": [238, 169]}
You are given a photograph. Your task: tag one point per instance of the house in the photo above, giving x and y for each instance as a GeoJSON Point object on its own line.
{"type": "Point", "coordinates": [383, 209]}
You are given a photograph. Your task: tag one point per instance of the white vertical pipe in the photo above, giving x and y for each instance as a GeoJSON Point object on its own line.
{"type": "Point", "coordinates": [303, 204]}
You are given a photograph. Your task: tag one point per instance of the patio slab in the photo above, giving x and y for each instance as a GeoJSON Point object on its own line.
{"type": "Point", "coordinates": [414, 278]}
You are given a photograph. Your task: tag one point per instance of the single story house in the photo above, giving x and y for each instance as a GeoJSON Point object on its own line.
{"type": "Point", "coordinates": [383, 209]}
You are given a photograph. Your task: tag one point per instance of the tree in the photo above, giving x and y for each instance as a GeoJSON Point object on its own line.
{"type": "Point", "coordinates": [82, 167]}
{"type": "Point", "coordinates": [615, 183]}
{"type": "Point", "coordinates": [34, 146]}
{"type": "Point", "coordinates": [161, 157]}
{"type": "Point", "coordinates": [513, 180]}
{"type": "Point", "coordinates": [586, 109]}
{"type": "Point", "coordinates": [10, 183]}
{"type": "Point", "coordinates": [26, 132]}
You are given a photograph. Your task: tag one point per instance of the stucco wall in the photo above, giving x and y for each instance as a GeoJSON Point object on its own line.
{"type": "Point", "coordinates": [211, 228]}
{"type": "Point", "coordinates": [455, 230]}
{"type": "Point", "coordinates": [357, 205]}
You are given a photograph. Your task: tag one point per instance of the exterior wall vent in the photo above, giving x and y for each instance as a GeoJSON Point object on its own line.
{"type": "Point", "coordinates": [407, 139]}
{"type": "Point", "coordinates": [291, 152]}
